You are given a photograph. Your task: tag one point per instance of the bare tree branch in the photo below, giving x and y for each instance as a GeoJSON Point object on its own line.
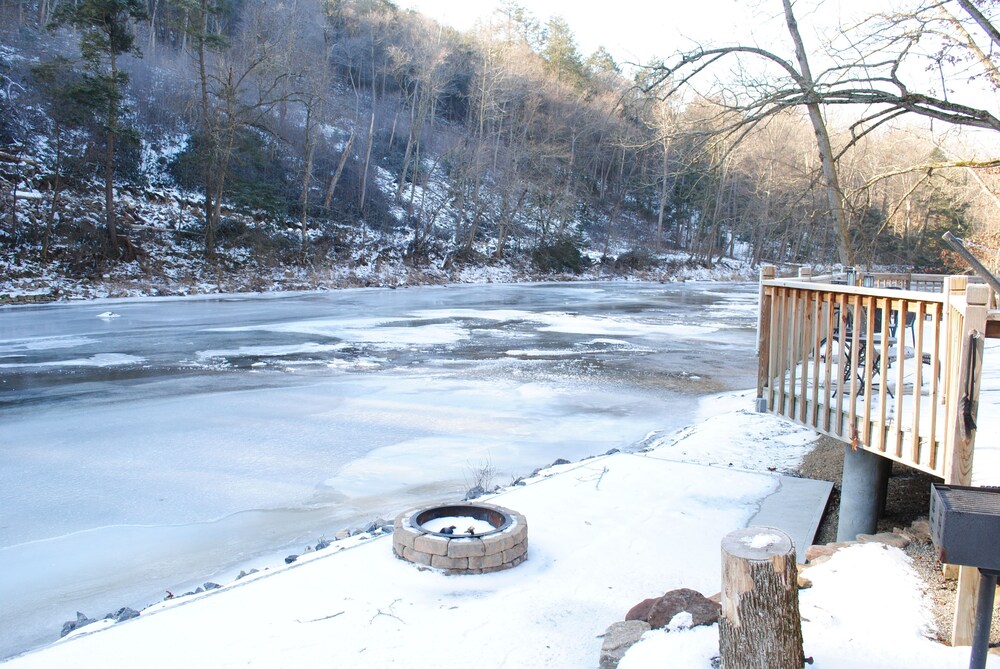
{"type": "Point", "coordinates": [981, 20]}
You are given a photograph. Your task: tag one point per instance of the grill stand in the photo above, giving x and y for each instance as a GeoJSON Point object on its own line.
{"type": "Point", "coordinates": [984, 618]}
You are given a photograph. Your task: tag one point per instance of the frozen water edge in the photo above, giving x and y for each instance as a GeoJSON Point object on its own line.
{"type": "Point", "coordinates": [662, 519]}
{"type": "Point", "coordinates": [735, 500]}
{"type": "Point", "coordinates": [138, 468]}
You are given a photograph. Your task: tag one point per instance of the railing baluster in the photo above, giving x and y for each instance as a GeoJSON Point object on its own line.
{"type": "Point", "coordinates": [793, 340]}
{"type": "Point", "coordinates": [817, 312]}
{"type": "Point", "coordinates": [883, 385]}
{"type": "Point", "coordinates": [935, 372]}
{"type": "Point", "coordinates": [868, 368]}
{"type": "Point", "coordinates": [841, 361]}
{"type": "Point", "coordinates": [774, 349]}
{"type": "Point", "coordinates": [782, 351]}
{"type": "Point", "coordinates": [918, 381]}
{"type": "Point", "coordinates": [805, 338]}
{"type": "Point", "coordinates": [901, 315]}
{"type": "Point", "coordinates": [853, 369]}
{"type": "Point", "coordinates": [828, 362]}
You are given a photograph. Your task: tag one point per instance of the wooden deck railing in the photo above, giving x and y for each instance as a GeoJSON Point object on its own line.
{"type": "Point", "coordinates": [887, 363]}
{"type": "Point", "coordinates": [885, 369]}
{"type": "Point", "coordinates": [929, 283]}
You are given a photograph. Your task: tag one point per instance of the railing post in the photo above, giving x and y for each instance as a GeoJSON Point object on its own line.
{"type": "Point", "coordinates": [806, 273]}
{"type": "Point", "coordinates": [967, 365]}
{"type": "Point", "coordinates": [851, 276]}
{"type": "Point", "coordinates": [952, 287]}
{"type": "Point", "coordinates": [767, 273]}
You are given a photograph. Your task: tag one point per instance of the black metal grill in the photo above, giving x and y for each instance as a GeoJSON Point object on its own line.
{"type": "Point", "coordinates": [965, 525]}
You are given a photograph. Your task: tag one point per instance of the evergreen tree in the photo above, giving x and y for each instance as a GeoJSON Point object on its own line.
{"type": "Point", "coordinates": [561, 53]}
{"type": "Point", "coordinates": [600, 62]}
{"type": "Point", "coordinates": [106, 34]}
{"type": "Point", "coordinates": [66, 102]}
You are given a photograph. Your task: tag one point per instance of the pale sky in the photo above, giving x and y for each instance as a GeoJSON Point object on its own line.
{"type": "Point", "coordinates": [636, 30]}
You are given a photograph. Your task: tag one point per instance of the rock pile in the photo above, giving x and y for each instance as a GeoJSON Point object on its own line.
{"type": "Point", "coordinates": [122, 614]}
{"type": "Point", "coordinates": [677, 609]}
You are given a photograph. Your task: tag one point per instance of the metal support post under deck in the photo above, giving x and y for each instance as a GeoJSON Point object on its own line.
{"type": "Point", "coordinates": [862, 492]}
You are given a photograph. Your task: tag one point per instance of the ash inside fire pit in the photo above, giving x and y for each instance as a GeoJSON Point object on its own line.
{"type": "Point", "coordinates": [462, 538]}
{"type": "Point", "coordinates": [458, 525]}
{"type": "Point", "coordinates": [480, 518]}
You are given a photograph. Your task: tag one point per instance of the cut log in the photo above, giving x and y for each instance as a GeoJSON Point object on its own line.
{"type": "Point", "coordinates": [760, 626]}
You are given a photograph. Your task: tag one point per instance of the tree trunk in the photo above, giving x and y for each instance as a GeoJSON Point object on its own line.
{"type": "Point", "coordinates": [477, 204]}
{"type": "Point", "coordinates": [336, 175]}
{"type": "Point", "coordinates": [411, 139]}
{"type": "Point", "coordinates": [368, 157]}
{"type": "Point", "coordinates": [13, 214]}
{"type": "Point", "coordinates": [760, 626]}
{"type": "Point", "coordinates": [153, 9]}
{"type": "Point", "coordinates": [109, 164]}
{"type": "Point", "coordinates": [306, 180]}
{"type": "Point", "coordinates": [219, 181]}
{"type": "Point", "coordinates": [834, 194]}
{"type": "Point", "coordinates": [413, 178]}
{"type": "Point", "coordinates": [310, 147]}
{"type": "Point", "coordinates": [56, 192]}
{"type": "Point", "coordinates": [663, 196]}
{"type": "Point", "coordinates": [211, 153]}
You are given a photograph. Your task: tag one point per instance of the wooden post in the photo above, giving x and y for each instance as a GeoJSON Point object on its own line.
{"type": "Point", "coordinates": [760, 627]}
{"type": "Point", "coordinates": [806, 273]}
{"type": "Point", "coordinates": [851, 276]}
{"type": "Point", "coordinates": [767, 273]}
{"type": "Point", "coordinates": [953, 287]}
{"type": "Point", "coordinates": [958, 456]}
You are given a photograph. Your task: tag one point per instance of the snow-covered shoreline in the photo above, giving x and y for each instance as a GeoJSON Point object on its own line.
{"type": "Point", "coordinates": [605, 532]}
{"type": "Point", "coordinates": [38, 283]}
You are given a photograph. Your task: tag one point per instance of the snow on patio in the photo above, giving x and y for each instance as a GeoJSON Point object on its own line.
{"type": "Point", "coordinates": [604, 534]}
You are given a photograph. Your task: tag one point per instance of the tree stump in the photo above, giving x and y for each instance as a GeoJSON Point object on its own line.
{"type": "Point", "coordinates": [760, 627]}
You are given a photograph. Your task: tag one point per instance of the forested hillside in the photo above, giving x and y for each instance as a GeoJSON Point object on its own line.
{"type": "Point", "coordinates": [186, 145]}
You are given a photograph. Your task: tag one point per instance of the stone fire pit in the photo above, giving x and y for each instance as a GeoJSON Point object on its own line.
{"type": "Point", "coordinates": [462, 538]}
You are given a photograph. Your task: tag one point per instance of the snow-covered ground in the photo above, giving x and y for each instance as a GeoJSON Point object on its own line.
{"type": "Point", "coordinates": [604, 533]}
{"type": "Point", "coordinates": [184, 272]}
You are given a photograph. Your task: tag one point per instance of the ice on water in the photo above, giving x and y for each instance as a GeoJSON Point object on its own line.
{"type": "Point", "coordinates": [186, 439]}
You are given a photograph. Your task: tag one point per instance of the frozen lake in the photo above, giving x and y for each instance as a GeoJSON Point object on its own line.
{"type": "Point", "coordinates": [152, 445]}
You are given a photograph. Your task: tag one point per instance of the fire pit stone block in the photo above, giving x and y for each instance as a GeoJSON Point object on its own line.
{"type": "Point", "coordinates": [514, 553]}
{"type": "Point", "coordinates": [450, 564]}
{"type": "Point", "coordinates": [503, 548]}
{"type": "Point", "coordinates": [430, 544]}
{"type": "Point", "coordinates": [404, 537]}
{"type": "Point", "coordinates": [466, 548]}
{"type": "Point", "coordinates": [486, 562]}
{"type": "Point", "coordinates": [416, 557]}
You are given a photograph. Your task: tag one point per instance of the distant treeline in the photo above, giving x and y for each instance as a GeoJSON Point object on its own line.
{"type": "Point", "coordinates": [326, 114]}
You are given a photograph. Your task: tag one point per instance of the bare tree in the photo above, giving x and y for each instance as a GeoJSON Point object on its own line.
{"type": "Point", "coordinates": [239, 88]}
{"type": "Point", "coordinates": [867, 72]}
{"type": "Point", "coordinates": [797, 87]}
